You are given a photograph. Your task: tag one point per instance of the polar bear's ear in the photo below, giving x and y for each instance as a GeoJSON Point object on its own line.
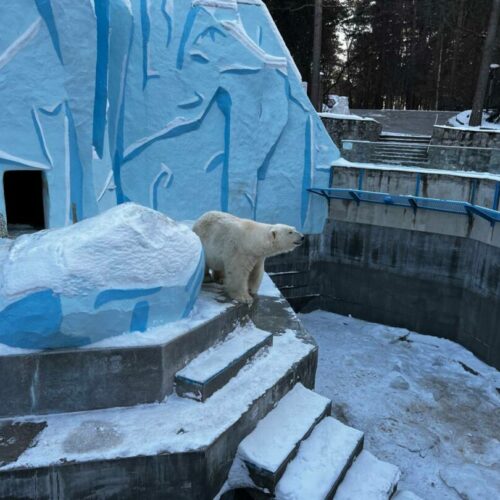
{"type": "Point", "coordinates": [274, 233]}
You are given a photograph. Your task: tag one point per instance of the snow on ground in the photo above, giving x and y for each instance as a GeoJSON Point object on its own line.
{"type": "Point", "coordinates": [462, 121]}
{"type": "Point", "coordinates": [426, 404]}
{"type": "Point", "coordinates": [339, 116]}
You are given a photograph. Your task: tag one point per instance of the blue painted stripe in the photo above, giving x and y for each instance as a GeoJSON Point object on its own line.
{"type": "Point", "coordinates": [76, 168]}
{"type": "Point", "coordinates": [194, 285]}
{"type": "Point", "coordinates": [216, 161]}
{"type": "Point", "coordinates": [417, 186]}
{"type": "Point", "coordinates": [496, 199]}
{"type": "Point", "coordinates": [114, 295]}
{"type": "Point", "coordinates": [225, 104]}
{"type": "Point", "coordinates": [41, 137]}
{"type": "Point", "coordinates": [211, 31]}
{"type": "Point", "coordinates": [156, 185]}
{"type": "Point", "coordinates": [188, 28]}
{"type": "Point", "coordinates": [45, 9]}
{"type": "Point", "coordinates": [101, 75]}
{"type": "Point", "coordinates": [118, 159]}
{"type": "Point", "coordinates": [361, 178]}
{"type": "Point", "coordinates": [146, 31]}
{"type": "Point", "coordinates": [31, 321]}
{"type": "Point", "coordinates": [168, 19]}
{"type": "Point", "coordinates": [194, 103]}
{"type": "Point", "coordinates": [306, 178]}
{"type": "Point", "coordinates": [140, 317]}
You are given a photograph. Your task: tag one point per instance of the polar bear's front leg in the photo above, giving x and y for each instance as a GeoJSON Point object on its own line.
{"type": "Point", "coordinates": [236, 274]}
{"type": "Point", "coordinates": [255, 278]}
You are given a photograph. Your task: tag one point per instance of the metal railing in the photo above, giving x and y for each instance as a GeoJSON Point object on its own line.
{"type": "Point", "coordinates": [492, 215]}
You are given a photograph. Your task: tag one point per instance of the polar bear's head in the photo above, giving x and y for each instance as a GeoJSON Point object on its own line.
{"type": "Point", "coordinates": [284, 238]}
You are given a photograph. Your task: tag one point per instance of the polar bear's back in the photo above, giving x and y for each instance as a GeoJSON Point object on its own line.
{"type": "Point", "coordinates": [223, 234]}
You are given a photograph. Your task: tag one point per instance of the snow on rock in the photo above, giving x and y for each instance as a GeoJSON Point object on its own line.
{"type": "Point", "coordinates": [461, 121]}
{"type": "Point", "coordinates": [442, 430]}
{"type": "Point", "coordinates": [127, 269]}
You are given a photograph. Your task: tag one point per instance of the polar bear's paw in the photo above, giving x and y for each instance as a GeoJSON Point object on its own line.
{"type": "Point", "coordinates": [243, 298]}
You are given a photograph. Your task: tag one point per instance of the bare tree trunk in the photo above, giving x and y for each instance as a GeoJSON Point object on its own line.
{"type": "Point", "coordinates": [439, 69]}
{"type": "Point", "coordinates": [476, 116]}
{"type": "Point", "coordinates": [456, 45]}
{"type": "Point", "coordinates": [316, 68]}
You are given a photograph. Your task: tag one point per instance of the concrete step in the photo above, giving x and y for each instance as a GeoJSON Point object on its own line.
{"type": "Point", "coordinates": [412, 151]}
{"type": "Point", "coordinates": [268, 450]}
{"type": "Point", "coordinates": [405, 138]}
{"type": "Point", "coordinates": [321, 462]}
{"type": "Point", "coordinates": [398, 159]}
{"type": "Point", "coordinates": [213, 368]}
{"type": "Point", "coordinates": [369, 478]}
{"type": "Point", "coordinates": [399, 155]}
{"type": "Point", "coordinates": [398, 145]}
{"type": "Point", "coordinates": [404, 163]}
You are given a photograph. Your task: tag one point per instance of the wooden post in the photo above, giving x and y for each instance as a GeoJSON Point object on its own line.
{"type": "Point", "coordinates": [316, 97]}
{"type": "Point", "coordinates": [476, 116]}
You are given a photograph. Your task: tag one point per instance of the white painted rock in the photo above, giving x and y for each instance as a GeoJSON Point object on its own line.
{"type": "Point", "coordinates": [125, 270]}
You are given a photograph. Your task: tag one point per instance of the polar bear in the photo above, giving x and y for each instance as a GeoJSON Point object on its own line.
{"type": "Point", "coordinates": [236, 249]}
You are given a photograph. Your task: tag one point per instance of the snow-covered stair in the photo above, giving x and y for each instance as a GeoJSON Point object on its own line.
{"type": "Point", "coordinates": [268, 450]}
{"type": "Point", "coordinates": [321, 462]}
{"type": "Point", "coordinates": [213, 368]}
{"type": "Point", "coordinates": [369, 479]}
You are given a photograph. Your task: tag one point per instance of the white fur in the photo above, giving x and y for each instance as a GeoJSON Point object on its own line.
{"type": "Point", "coordinates": [236, 249]}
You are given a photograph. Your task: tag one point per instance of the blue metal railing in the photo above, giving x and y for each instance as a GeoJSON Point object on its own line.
{"type": "Point", "coordinates": [492, 215]}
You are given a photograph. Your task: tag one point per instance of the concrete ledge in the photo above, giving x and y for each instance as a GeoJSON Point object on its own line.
{"type": "Point", "coordinates": [87, 379]}
{"type": "Point", "coordinates": [194, 469]}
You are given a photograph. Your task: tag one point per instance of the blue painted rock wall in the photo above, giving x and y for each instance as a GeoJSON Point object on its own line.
{"type": "Point", "coordinates": [180, 105]}
{"type": "Point", "coordinates": [126, 270]}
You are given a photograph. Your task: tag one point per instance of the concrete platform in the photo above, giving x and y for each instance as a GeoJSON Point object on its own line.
{"type": "Point", "coordinates": [175, 448]}
{"type": "Point", "coordinates": [131, 369]}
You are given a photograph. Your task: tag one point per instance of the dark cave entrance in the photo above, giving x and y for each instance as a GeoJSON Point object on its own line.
{"type": "Point", "coordinates": [24, 195]}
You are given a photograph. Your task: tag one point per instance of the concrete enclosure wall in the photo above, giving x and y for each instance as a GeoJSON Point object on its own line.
{"type": "Point", "coordinates": [456, 136]}
{"type": "Point", "coordinates": [431, 272]}
{"type": "Point", "coordinates": [363, 129]}
{"type": "Point", "coordinates": [443, 157]}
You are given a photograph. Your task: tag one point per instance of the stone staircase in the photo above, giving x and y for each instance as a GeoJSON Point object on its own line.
{"type": "Point", "coordinates": [231, 400]}
{"type": "Point", "coordinates": [298, 451]}
{"type": "Point", "coordinates": [401, 150]}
